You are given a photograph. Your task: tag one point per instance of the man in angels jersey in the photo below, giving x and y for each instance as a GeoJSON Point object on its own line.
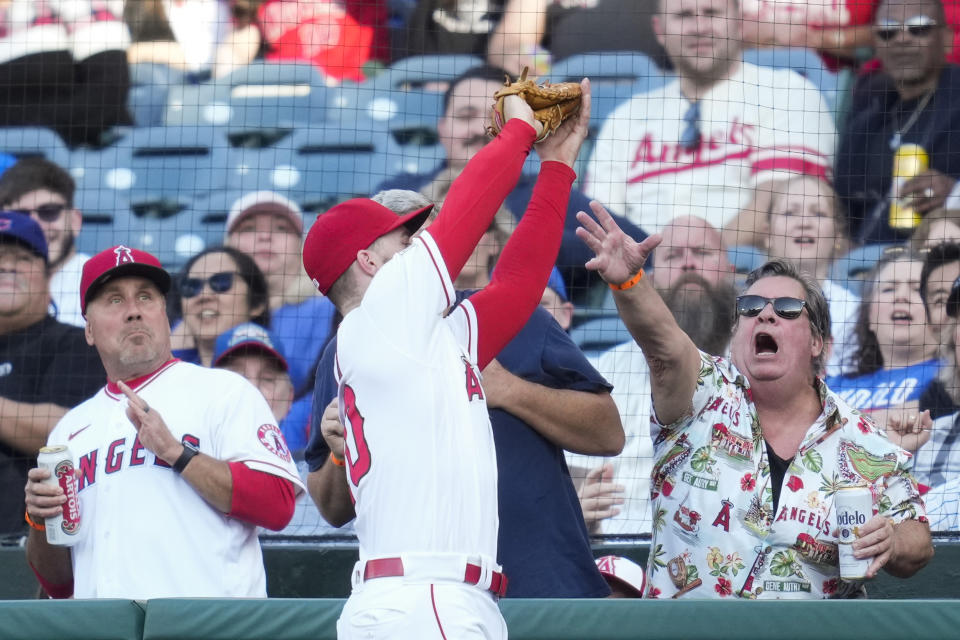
{"type": "Point", "coordinates": [713, 142]}
{"type": "Point", "coordinates": [177, 464]}
{"type": "Point", "coordinates": [419, 456]}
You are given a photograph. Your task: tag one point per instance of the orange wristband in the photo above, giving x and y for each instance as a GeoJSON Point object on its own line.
{"type": "Point", "coordinates": [33, 525]}
{"type": "Point", "coordinates": [337, 461]}
{"type": "Point", "coordinates": [623, 286]}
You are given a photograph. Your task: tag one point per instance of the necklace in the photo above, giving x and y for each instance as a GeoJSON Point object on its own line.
{"type": "Point", "coordinates": [897, 139]}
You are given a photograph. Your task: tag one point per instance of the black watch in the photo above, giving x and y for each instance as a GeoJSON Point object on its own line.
{"type": "Point", "coordinates": [189, 451]}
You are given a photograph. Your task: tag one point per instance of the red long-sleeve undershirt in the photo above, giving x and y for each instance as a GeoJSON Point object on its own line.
{"type": "Point", "coordinates": [477, 193]}
{"type": "Point", "coordinates": [522, 271]}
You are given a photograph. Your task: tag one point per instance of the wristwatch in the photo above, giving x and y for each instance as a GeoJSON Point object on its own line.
{"type": "Point", "coordinates": [189, 451]}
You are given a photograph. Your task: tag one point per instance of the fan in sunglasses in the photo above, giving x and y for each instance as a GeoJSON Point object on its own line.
{"type": "Point", "coordinates": [42, 190]}
{"type": "Point", "coordinates": [905, 112]}
{"type": "Point", "coordinates": [743, 444]}
{"type": "Point", "coordinates": [219, 289]}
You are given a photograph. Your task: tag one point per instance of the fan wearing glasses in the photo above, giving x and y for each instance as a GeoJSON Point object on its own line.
{"type": "Point", "coordinates": [746, 441]}
{"type": "Point", "coordinates": [908, 102]}
{"type": "Point", "coordinates": [219, 288]}
{"type": "Point", "coordinates": [44, 191]}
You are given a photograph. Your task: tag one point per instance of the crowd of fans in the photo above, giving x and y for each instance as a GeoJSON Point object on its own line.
{"type": "Point", "coordinates": [726, 155]}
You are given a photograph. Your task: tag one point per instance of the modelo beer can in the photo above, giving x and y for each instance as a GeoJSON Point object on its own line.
{"type": "Point", "coordinates": [909, 160]}
{"type": "Point", "coordinates": [63, 529]}
{"type": "Point", "coordinates": [853, 507]}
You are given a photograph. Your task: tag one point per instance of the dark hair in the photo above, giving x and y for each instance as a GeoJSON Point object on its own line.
{"type": "Point", "coordinates": [483, 72]}
{"type": "Point", "coordinates": [868, 357]}
{"type": "Point", "coordinates": [32, 174]}
{"type": "Point", "coordinates": [818, 310]}
{"type": "Point", "coordinates": [257, 295]}
{"type": "Point", "coordinates": [938, 256]}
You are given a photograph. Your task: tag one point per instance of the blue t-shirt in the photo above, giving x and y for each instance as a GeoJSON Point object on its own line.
{"type": "Point", "coordinates": [302, 329]}
{"type": "Point", "coordinates": [885, 388]}
{"type": "Point", "coordinates": [543, 543]}
{"type": "Point", "coordinates": [296, 424]}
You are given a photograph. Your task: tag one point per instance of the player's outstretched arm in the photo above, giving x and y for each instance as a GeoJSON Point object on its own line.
{"type": "Point", "coordinates": [522, 271]}
{"type": "Point", "coordinates": [673, 358]}
{"type": "Point", "coordinates": [483, 185]}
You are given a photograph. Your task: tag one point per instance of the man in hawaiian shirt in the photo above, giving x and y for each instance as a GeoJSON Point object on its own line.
{"type": "Point", "coordinates": [751, 450]}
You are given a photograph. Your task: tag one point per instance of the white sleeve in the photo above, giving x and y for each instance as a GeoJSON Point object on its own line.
{"type": "Point", "coordinates": [244, 430]}
{"type": "Point", "coordinates": [801, 136]}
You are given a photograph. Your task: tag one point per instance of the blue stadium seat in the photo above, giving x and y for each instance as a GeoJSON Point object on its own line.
{"type": "Point", "coordinates": [24, 142]}
{"type": "Point", "coordinates": [609, 67]}
{"type": "Point", "coordinates": [149, 89]}
{"type": "Point", "coordinates": [745, 258]}
{"type": "Point", "coordinates": [320, 165]}
{"type": "Point", "coordinates": [160, 171]}
{"type": "Point", "coordinates": [803, 61]}
{"type": "Point", "coordinates": [255, 97]}
{"type": "Point", "coordinates": [600, 334]}
{"type": "Point", "coordinates": [851, 269]}
{"type": "Point", "coordinates": [415, 72]}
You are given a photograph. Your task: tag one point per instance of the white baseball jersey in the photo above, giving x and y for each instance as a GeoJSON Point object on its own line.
{"type": "Point", "coordinates": [145, 532]}
{"type": "Point", "coordinates": [420, 456]}
{"type": "Point", "coordinates": [755, 126]}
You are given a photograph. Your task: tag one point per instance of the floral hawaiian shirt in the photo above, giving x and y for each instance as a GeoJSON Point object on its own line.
{"type": "Point", "coordinates": [715, 533]}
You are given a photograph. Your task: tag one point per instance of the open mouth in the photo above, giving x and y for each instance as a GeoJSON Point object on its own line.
{"type": "Point", "coordinates": [764, 343]}
{"type": "Point", "coordinates": [901, 317]}
{"type": "Point", "coordinates": [209, 313]}
{"type": "Point", "coordinates": [804, 240]}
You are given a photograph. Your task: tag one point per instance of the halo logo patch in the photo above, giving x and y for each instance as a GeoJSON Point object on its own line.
{"type": "Point", "coordinates": [271, 437]}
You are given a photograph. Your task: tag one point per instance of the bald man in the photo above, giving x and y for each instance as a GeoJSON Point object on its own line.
{"type": "Point", "coordinates": [695, 278]}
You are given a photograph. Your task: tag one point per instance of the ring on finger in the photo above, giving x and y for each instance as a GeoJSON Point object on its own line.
{"type": "Point", "coordinates": [146, 408]}
{"type": "Point", "coordinates": [929, 192]}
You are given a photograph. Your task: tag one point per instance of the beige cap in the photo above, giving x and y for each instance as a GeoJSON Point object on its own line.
{"type": "Point", "coordinates": [265, 202]}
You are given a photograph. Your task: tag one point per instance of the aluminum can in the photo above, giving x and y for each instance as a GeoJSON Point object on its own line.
{"type": "Point", "coordinates": [908, 161]}
{"type": "Point", "coordinates": [853, 507]}
{"type": "Point", "coordinates": [63, 529]}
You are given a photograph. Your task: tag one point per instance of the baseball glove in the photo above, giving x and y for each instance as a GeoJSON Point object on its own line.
{"type": "Point", "coordinates": [551, 103]}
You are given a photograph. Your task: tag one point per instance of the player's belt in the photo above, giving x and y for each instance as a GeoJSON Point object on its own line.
{"type": "Point", "coordinates": [393, 568]}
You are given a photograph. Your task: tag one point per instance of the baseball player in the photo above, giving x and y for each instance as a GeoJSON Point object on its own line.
{"type": "Point", "coordinates": [177, 464]}
{"type": "Point", "coordinates": [419, 457]}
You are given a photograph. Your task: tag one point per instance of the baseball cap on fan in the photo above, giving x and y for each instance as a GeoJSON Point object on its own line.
{"type": "Point", "coordinates": [248, 336]}
{"type": "Point", "coordinates": [623, 573]}
{"type": "Point", "coordinates": [334, 239]}
{"type": "Point", "coordinates": [117, 262]}
{"type": "Point", "coordinates": [23, 230]}
{"type": "Point", "coordinates": [264, 202]}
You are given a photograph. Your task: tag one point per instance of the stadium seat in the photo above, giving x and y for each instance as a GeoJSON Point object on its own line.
{"type": "Point", "coordinates": [419, 72]}
{"type": "Point", "coordinates": [25, 142]}
{"type": "Point", "coordinates": [608, 67]}
{"type": "Point", "coordinates": [851, 269]}
{"type": "Point", "coordinates": [600, 334]}
{"type": "Point", "coordinates": [746, 258]}
{"type": "Point", "coordinates": [149, 89]}
{"type": "Point", "coordinates": [160, 171]}
{"type": "Point", "coordinates": [320, 165]}
{"type": "Point", "coordinates": [253, 98]}
{"type": "Point", "coordinates": [805, 62]}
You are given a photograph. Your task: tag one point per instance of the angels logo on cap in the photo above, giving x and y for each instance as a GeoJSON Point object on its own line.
{"type": "Point", "coordinates": [124, 255]}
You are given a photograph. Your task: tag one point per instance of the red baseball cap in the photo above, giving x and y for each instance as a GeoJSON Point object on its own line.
{"type": "Point", "coordinates": [337, 235]}
{"type": "Point", "coordinates": [116, 262]}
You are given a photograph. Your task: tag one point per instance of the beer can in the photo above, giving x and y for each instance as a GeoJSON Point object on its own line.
{"type": "Point", "coordinates": [853, 507]}
{"type": "Point", "coordinates": [909, 160]}
{"type": "Point", "coordinates": [62, 529]}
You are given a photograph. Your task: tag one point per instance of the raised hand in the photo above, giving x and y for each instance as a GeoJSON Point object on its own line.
{"type": "Point", "coordinates": [154, 434]}
{"type": "Point", "coordinates": [618, 257]}
{"type": "Point", "coordinates": [516, 107]}
{"type": "Point", "coordinates": [563, 145]}
{"type": "Point", "coordinates": [911, 430]}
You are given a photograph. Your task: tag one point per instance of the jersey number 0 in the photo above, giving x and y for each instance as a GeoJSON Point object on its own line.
{"type": "Point", "coordinates": [359, 465]}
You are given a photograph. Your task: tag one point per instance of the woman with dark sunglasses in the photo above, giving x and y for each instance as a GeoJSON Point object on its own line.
{"type": "Point", "coordinates": [751, 451]}
{"type": "Point", "coordinates": [218, 289]}
{"type": "Point", "coordinates": [897, 357]}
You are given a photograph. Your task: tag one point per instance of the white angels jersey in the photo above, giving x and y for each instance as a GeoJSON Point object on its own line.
{"type": "Point", "coordinates": [420, 457]}
{"type": "Point", "coordinates": [756, 126]}
{"type": "Point", "coordinates": [145, 532]}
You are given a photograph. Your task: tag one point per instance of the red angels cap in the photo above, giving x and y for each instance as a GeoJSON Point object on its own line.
{"type": "Point", "coordinates": [623, 572]}
{"type": "Point", "coordinates": [116, 262]}
{"type": "Point", "coordinates": [337, 235]}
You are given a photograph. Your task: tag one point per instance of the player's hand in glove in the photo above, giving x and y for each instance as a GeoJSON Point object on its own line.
{"type": "Point", "coordinates": [564, 144]}
{"type": "Point", "coordinates": [332, 429]}
{"type": "Point", "coordinates": [551, 103]}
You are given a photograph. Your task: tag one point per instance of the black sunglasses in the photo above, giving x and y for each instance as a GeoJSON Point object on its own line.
{"type": "Point", "coordinates": [46, 212]}
{"type": "Point", "coordinates": [917, 26]}
{"type": "Point", "coordinates": [219, 283]}
{"type": "Point", "coordinates": [789, 308]}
